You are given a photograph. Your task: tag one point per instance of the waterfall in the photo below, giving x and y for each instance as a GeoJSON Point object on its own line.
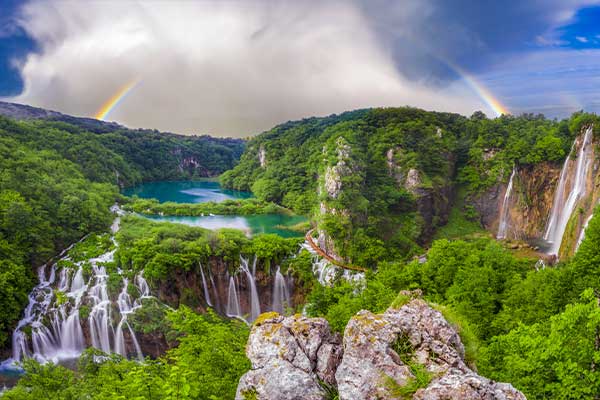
{"type": "Point", "coordinates": [504, 211]}
{"type": "Point", "coordinates": [53, 313]}
{"type": "Point", "coordinates": [562, 208]}
{"type": "Point", "coordinates": [214, 287]}
{"type": "Point", "coordinates": [281, 294]}
{"type": "Point", "coordinates": [582, 234]}
{"type": "Point", "coordinates": [233, 301]}
{"type": "Point", "coordinates": [205, 286]}
{"type": "Point", "coordinates": [254, 302]}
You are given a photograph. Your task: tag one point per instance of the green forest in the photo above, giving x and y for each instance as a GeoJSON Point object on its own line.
{"type": "Point", "coordinates": [536, 328]}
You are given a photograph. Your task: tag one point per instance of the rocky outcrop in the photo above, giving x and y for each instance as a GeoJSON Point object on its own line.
{"type": "Point", "coordinates": [433, 201]}
{"type": "Point", "coordinates": [529, 204]}
{"type": "Point", "coordinates": [292, 358]}
{"type": "Point", "coordinates": [382, 353]}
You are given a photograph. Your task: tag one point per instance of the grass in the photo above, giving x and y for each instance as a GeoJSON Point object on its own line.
{"type": "Point", "coordinates": [465, 331]}
{"type": "Point", "coordinates": [421, 377]}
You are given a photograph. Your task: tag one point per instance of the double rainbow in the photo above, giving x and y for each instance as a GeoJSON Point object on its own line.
{"type": "Point", "coordinates": [481, 91]}
{"type": "Point", "coordinates": [115, 99]}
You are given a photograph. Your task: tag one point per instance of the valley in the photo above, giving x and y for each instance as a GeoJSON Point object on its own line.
{"type": "Point", "coordinates": [137, 274]}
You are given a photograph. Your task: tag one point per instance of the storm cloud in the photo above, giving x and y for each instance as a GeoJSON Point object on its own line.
{"type": "Point", "coordinates": [224, 68]}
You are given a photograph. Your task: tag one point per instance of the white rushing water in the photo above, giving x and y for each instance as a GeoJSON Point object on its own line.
{"type": "Point", "coordinates": [504, 211]}
{"type": "Point", "coordinates": [51, 328]}
{"type": "Point", "coordinates": [326, 273]}
{"type": "Point", "coordinates": [281, 294]}
{"type": "Point", "coordinates": [234, 289]}
{"type": "Point", "coordinates": [253, 293]}
{"type": "Point", "coordinates": [233, 300]}
{"type": "Point", "coordinates": [582, 234]}
{"type": "Point", "coordinates": [570, 189]}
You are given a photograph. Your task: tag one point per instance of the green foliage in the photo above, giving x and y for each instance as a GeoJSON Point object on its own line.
{"type": "Point", "coordinates": [227, 207]}
{"type": "Point", "coordinates": [207, 364]}
{"type": "Point", "coordinates": [555, 359]}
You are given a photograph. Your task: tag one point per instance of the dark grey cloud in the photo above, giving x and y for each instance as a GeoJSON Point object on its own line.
{"type": "Point", "coordinates": [425, 36]}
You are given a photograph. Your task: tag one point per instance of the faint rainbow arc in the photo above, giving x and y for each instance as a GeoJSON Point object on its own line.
{"type": "Point", "coordinates": [110, 104]}
{"type": "Point", "coordinates": [481, 90]}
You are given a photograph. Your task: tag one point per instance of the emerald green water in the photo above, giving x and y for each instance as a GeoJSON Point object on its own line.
{"type": "Point", "coordinates": [184, 192]}
{"type": "Point", "coordinates": [251, 224]}
{"type": "Point", "coordinates": [200, 192]}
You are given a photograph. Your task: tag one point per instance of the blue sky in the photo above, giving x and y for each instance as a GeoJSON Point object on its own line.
{"type": "Point", "coordinates": [236, 68]}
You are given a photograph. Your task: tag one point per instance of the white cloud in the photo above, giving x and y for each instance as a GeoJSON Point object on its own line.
{"type": "Point", "coordinates": [581, 39]}
{"type": "Point", "coordinates": [224, 68]}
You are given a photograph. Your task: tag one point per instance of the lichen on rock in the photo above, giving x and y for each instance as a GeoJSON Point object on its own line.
{"type": "Point", "coordinates": [292, 356]}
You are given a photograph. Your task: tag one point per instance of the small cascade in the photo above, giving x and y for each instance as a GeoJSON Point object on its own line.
{"type": "Point", "coordinates": [52, 315]}
{"type": "Point", "coordinates": [540, 264]}
{"type": "Point", "coordinates": [567, 196]}
{"type": "Point", "coordinates": [504, 211]}
{"type": "Point", "coordinates": [281, 294]}
{"type": "Point", "coordinates": [142, 286]}
{"type": "Point", "coordinates": [214, 288]}
{"type": "Point", "coordinates": [253, 300]}
{"type": "Point", "coordinates": [326, 273]}
{"type": "Point", "coordinates": [582, 234]}
{"type": "Point", "coordinates": [205, 287]}
{"type": "Point", "coordinates": [233, 301]}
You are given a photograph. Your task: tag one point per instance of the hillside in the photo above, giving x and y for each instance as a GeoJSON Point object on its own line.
{"type": "Point", "coordinates": [380, 183]}
{"type": "Point", "coordinates": [470, 196]}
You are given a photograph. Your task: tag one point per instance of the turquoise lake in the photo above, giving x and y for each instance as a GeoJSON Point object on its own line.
{"type": "Point", "coordinates": [184, 192]}
{"type": "Point", "coordinates": [201, 192]}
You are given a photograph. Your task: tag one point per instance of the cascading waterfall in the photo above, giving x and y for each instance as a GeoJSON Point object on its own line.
{"type": "Point", "coordinates": [53, 319]}
{"type": "Point", "coordinates": [281, 294]}
{"type": "Point", "coordinates": [205, 286]}
{"type": "Point", "coordinates": [566, 198]}
{"type": "Point", "coordinates": [253, 295]}
{"type": "Point", "coordinates": [233, 301]}
{"type": "Point", "coordinates": [326, 272]}
{"type": "Point", "coordinates": [504, 212]}
{"type": "Point", "coordinates": [582, 234]}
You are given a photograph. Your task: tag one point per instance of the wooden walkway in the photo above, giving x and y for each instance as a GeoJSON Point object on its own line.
{"type": "Point", "coordinates": [333, 261]}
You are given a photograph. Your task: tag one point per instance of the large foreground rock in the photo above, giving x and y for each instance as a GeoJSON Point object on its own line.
{"type": "Point", "coordinates": [383, 355]}
{"type": "Point", "coordinates": [291, 358]}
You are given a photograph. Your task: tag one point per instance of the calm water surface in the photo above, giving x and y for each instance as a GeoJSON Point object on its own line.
{"type": "Point", "coordinates": [201, 192]}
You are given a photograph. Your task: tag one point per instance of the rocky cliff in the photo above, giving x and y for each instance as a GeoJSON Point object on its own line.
{"type": "Point", "coordinates": [530, 203]}
{"type": "Point", "coordinates": [407, 352]}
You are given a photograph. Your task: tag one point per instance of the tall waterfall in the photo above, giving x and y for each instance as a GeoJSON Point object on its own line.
{"type": "Point", "coordinates": [281, 294]}
{"type": "Point", "coordinates": [567, 195]}
{"type": "Point", "coordinates": [504, 211]}
{"type": "Point", "coordinates": [253, 294]}
{"type": "Point", "coordinates": [52, 328]}
{"type": "Point", "coordinates": [242, 295]}
{"type": "Point", "coordinates": [233, 301]}
{"type": "Point", "coordinates": [206, 293]}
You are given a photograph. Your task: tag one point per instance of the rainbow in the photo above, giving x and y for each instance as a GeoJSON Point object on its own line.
{"type": "Point", "coordinates": [481, 91]}
{"type": "Point", "coordinates": [115, 99]}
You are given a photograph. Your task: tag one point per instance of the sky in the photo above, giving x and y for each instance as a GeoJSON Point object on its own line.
{"type": "Point", "coordinates": [236, 68]}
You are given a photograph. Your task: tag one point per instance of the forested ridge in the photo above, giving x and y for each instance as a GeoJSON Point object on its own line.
{"type": "Point", "coordinates": [58, 182]}
{"type": "Point", "coordinates": [382, 185]}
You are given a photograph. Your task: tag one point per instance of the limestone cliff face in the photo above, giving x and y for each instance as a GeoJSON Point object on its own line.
{"type": "Point", "coordinates": [529, 204]}
{"type": "Point", "coordinates": [339, 164]}
{"type": "Point", "coordinates": [433, 200]}
{"type": "Point", "coordinates": [380, 352]}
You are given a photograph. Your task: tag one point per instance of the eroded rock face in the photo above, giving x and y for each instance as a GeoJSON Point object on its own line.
{"type": "Point", "coordinates": [381, 352]}
{"type": "Point", "coordinates": [289, 356]}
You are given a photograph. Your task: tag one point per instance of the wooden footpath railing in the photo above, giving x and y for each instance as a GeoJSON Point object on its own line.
{"type": "Point", "coordinates": [326, 256]}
